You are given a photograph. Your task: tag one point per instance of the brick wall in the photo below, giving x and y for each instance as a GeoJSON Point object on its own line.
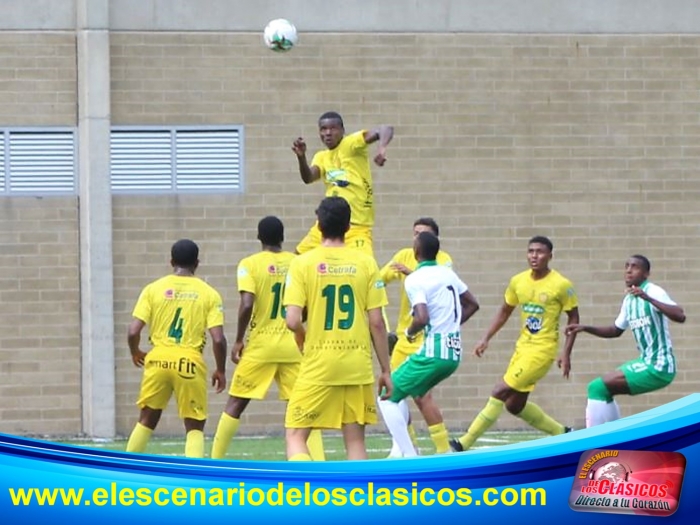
{"type": "Point", "coordinates": [588, 139]}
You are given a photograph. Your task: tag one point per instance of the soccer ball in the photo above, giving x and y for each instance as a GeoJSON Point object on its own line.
{"type": "Point", "coordinates": [280, 35]}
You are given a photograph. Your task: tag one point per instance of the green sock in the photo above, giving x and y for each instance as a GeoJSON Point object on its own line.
{"type": "Point", "coordinates": [441, 438]}
{"type": "Point", "coordinates": [482, 422]}
{"type": "Point", "coordinates": [315, 446]}
{"type": "Point", "coordinates": [139, 438]}
{"type": "Point", "coordinates": [227, 428]}
{"type": "Point", "coordinates": [536, 417]}
{"type": "Point", "coordinates": [194, 444]}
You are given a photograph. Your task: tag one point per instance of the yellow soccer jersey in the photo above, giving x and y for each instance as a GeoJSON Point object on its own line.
{"type": "Point", "coordinates": [388, 274]}
{"type": "Point", "coordinates": [541, 303]}
{"type": "Point", "coordinates": [337, 286]}
{"type": "Point", "coordinates": [178, 311]}
{"type": "Point", "coordinates": [269, 339]}
{"type": "Point", "coordinates": [346, 173]}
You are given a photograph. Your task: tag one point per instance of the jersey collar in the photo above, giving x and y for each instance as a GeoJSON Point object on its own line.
{"type": "Point", "coordinates": [426, 263]}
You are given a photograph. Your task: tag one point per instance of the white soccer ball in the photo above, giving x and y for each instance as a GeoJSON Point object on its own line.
{"type": "Point", "coordinates": [280, 35]}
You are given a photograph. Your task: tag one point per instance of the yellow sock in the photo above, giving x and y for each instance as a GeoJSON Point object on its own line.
{"type": "Point", "coordinates": [139, 438]}
{"type": "Point", "coordinates": [194, 444]}
{"type": "Point", "coordinates": [487, 417]}
{"type": "Point", "coordinates": [412, 434]}
{"type": "Point", "coordinates": [536, 417]}
{"type": "Point", "coordinates": [315, 445]}
{"type": "Point", "coordinates": [300, 457]}
{"type": "Point", "coordinates": [227, 428]}
{"type": "Point", "coordinates": [441, 438]}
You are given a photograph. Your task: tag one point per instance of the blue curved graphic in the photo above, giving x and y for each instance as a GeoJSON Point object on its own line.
{"type": "Point", "coordinates": [490, 484]}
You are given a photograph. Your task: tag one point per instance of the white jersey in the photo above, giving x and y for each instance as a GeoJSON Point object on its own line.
{"type": "Point", "coordinates": [439, 288]}
{"type": "Point", "coordinates": [649, 327]}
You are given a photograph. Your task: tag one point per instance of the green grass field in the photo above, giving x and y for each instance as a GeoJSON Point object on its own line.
{"type": "Point", "coordinates": [271, 448]}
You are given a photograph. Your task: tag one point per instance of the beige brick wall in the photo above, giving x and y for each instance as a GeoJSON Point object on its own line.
{"type": "Point", "coordinates": [39, 272]}
{"type": "Point", "coordinates": [588, 139]}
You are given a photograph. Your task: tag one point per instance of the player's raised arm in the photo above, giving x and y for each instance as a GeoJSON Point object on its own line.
{"type": "Point", "coordinates": [308, 173]}
{"type": "Point", "coordinates": [383, 134]}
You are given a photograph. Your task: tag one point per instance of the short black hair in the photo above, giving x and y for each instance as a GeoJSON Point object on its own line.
{"type": "Point", "coordinates": [646, 264]}
{"type": "Point", "coordinates": [541, 239]}
{"type": "Point", "coordinates": [271, 231]}
{"type": "Point", "coordinates": [429, 222]}
{"type": "Point", "coordinates": [332, 115]}
{"type": "Point", "coordinates": [428, 245]}
{"type": "Point", "coordinates": [333, 217]}
{"type": "Point", "coordinates": [184, 253]}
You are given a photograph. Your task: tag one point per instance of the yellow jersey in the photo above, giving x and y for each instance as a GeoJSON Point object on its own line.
{"type": "Point", "coordinates": [178, 311]}
{"type": "Point", "coordinates": [269, 339]}
{"type": "Point", "coordinates": [541, 303]}
{"type": "Point", "coordinates": [337, 286]}
{"type": "Point", "coordinates": [346, 173]}
{"type": "Point", "coordinates": [388, 274]}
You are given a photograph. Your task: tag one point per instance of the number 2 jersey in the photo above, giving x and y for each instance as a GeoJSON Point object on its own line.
{"type": "Point", "coordinates": [337, 285]}
{"type": "Point", "coordinates": [439, 288]}
{"type": "Point", "coordinates": [269, 340]}
{"type": "Point", "coordinates": [178, 311]}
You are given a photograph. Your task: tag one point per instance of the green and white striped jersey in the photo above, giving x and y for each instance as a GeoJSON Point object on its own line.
{"type": "Point", "coordinates": [649, 327]}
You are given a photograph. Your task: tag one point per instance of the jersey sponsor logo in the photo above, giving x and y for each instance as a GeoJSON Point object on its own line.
{"type": "Point", "coordinates": [186, 368]}
{"type": "Point", "coordinates": [531, 308]}
{"type": "Point", "coordinates": [454, 342]}
{"type": "Point", "coordinates": [169, 293]}
{"type": "Point", "coordinates": [272, 269]}
{"type": "Point", "coordinates": [322, 268]}
{"type": "Point", "coordinates": [181, 296]}
{"type": "Point", "coordinates": [640, 323]}
{"type": "Point", "coordinates": [345, 269]}
{"type": "Point", "coordinates": [337, 178]}
{"type": "Point", "coordinates": [379, 285]}
{"type": "Point", "coordinates": [533, 324]}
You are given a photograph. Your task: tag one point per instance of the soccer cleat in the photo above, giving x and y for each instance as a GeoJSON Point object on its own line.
{"type": "Point", "coordinates": [393, 339]}
{"type": "Point", "coordinates": [568, 429]}
{"type": "Point", "coordinates": [456, 446]}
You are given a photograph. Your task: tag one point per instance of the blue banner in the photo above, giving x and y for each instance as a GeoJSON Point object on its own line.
{"type": "Point", "coordinates": [573, 478]}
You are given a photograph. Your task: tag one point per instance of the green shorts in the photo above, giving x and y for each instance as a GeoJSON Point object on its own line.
{"type": "Point", "coordinates": [642, 378]}
{"type": "Point", "coordinates": [418, 374]}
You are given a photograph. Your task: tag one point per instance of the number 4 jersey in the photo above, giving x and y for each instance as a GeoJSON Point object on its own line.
{"type": "Point", "coordinates": [178, 311]}
{"type": "Point", "coordinates": [439, 288]}
{"type": "Point", "coordinates": [337, 286]}
{"type": "Point", "coordinates": [269, 339]}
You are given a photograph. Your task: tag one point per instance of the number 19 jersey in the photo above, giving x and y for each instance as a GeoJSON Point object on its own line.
{"type": "Point", "coordinates": [269, 339]}
{"type": "Point", "coordinates": [337, 285]}
{"type": "Point", "coordinates": [178, 311]}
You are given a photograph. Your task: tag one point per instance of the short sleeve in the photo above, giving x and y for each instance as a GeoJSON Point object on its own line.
{"type": "Point", "coordinates": [387, 273]}
{"type": "Point", "coordinates": [244, 277]}
{"type": "Point", "coordinates": [415, 292]}
{"type": "Point", "coordinates": [317, 161]}
{"type": "Point", "coordinates": [622, 322]}
{"type": "Point", "coordinates": [357, 140]}
{"type": "Point", "coordinates": [215, 315]}
{"type": "Point", "coordinates": [658, 293]}
{"type": "Point", "coordinates": [295, 287]}
{"type": "Point", "coordinates": [511, 295]}
{"type": "Point", "coordinates": [569, 298]}
{"type": "Point", "coordinates": [142, 310]}
{"type": "Point", "coordinates": [376, 289]}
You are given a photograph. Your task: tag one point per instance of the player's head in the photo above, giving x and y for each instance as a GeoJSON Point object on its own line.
{"type": "Point", "coordinates": [331, 129]}
{"type": "Point", "coordinates": [426, 246]}
{"type": "Point", "coordinates": [539, 252]}
{"type": "Point", "coordinates": [333, 217]}
{"type": "Point", "coordinates": [185, 254]}
{"type": "Point", "coordinates": [271, 231]}
{"type": "Point", "coordinates": [425, 224]}
{"type": "Point", "coordinates": [637, 269]}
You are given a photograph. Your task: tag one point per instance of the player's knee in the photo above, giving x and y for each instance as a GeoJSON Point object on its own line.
{"type": "Point", "coordinates": [598, 391]}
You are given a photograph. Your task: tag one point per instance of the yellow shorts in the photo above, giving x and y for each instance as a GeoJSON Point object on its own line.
{"type": "Point", "coordinates": [403, 350]}
{"type": "Point", "coordinates": [359, 237]}
{"type": "Point", "coordinates": [526, 368]}
{"type": "Point", "coordinates": [327, 406]}
{"type": "Point", "coordinates": [252, 379]}
{"type": "Point", "coordinates": [181, 373]}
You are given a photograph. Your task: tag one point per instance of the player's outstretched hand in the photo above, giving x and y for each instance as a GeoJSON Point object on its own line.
{"type": "Point", "coordinates": [573, 329]}
{"type": "Point", "coordinates": [299, 147]}
{"type": "Point", "coordinates": [401, 268]}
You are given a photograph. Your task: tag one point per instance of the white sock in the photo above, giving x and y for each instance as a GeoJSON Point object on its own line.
{"type": "Point", "coordinates": [397, 423]}
{"type": "Point", "coordinates": [612, 411]}
{"type": "Point", "coordinates": [596, 412]}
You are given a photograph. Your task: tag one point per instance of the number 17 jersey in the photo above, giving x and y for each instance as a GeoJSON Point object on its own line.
{"type": "Point", "coordinates": [269, 339]}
